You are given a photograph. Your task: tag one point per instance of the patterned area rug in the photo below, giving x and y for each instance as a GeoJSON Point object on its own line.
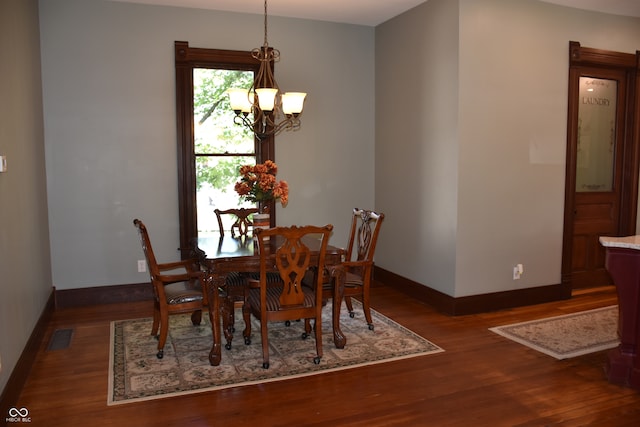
{"type": "Point", "coordinates": [567, 336]}
{"type": "Point", "coordinates": [136, 374]}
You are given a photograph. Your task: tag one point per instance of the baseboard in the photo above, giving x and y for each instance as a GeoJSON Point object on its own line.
{"type": "Point", "coordinates": [20, 373]}
{"type": "Point", "coordinates": [475, 303]}
{"type": "Point", "coordinates": [103, 295]}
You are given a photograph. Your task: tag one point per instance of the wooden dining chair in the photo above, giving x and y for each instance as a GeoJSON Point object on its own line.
{"type": "Point", "coordinates": [177, 288]}
{"type": "Point", "coordinates": [235, 281]}
{"type": "Point", "coordinates": [358, 263]}
{"type": "Point", "coordinates": [242, 223]}
{"type": "Point", "coordinates": [292, 300]}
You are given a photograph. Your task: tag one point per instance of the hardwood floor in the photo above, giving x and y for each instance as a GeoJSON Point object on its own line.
{"type": "Point", "coordinates": [481, 379]}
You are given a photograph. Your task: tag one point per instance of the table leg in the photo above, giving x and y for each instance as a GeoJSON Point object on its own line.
{"type": "Point", "coordinates": [338, 278]}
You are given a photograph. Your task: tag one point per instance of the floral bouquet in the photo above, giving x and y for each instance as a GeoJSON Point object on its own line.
{"type": "Point", "coordinates": [258, 184]}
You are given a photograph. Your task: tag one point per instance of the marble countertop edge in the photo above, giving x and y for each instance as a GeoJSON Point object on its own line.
{"type": "Point", "coordinates": [628, 242]}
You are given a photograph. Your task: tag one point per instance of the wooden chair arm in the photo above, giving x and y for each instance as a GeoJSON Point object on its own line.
{"type": "Point", "coordinates": [362, 266]}
{"type": "Point", "coordinates": [359, 268]}
{"type": "Point", "coordinates": [351, 264]}
{"type": "Point", "coordinates": [182, 277]}
{"type": "Point", "coordinates": [187, 264]}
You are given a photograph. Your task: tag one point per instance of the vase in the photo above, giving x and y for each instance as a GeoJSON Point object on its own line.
{"type": "Point", "coordinates": [261, 220]}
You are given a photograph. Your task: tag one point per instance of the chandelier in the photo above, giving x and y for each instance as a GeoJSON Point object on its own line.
{"type": "Point", "coordinates": [271, 111]}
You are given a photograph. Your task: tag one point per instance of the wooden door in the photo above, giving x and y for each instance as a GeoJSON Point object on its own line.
{"type": "Point", "coordinates": [602, 166]}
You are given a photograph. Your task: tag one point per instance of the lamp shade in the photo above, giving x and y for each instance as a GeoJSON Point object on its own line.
{"type": "Point", "coordinates": [266, 98]}
{"type": "Point", "coordinates": [293, 102]}
{"type": "Point", "coordinates": [239, 100]}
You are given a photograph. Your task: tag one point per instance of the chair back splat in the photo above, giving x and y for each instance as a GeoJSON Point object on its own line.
{"type": "Point", "coordinates": [365, 226]}
{"type": "Point", "coordinates": [292, 260]}
{"type": "Point", "coordinates": [242, 222]}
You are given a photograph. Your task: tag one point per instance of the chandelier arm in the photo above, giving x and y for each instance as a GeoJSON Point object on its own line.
{"type": "Point", "coordinates": [243, 120]}
{"type": "Point", "coordinates": [264, 126]}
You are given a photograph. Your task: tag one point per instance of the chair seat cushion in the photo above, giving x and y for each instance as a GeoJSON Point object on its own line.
{"type": "Point", "coordinates": [236, 282]}
{"type": "Point", "coordinates": [182, 292]}
{"type": "Point", "coordinates": [235, 279]}
{"type": "Point", "coordinates": [273, 298]}
{"type": "Point", "coordinates": [272, 277]}
{"type": "Point", "coordinates": [352, 280]}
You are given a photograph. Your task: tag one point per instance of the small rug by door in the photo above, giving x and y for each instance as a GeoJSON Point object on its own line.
{"type": "Point", "coordinates": [569, 335]}
{"type": "Point", "coordinates": [136, 373]}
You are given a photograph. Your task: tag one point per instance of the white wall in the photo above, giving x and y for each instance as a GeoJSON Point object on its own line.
{"type": "Point", "coordinates": [511, 60]}
{"type": "Point", "coordinates": [110, 132]}
{"type": "Point", "coordinates": [25, 269]}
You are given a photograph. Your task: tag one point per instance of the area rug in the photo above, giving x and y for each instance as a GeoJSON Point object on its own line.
{"type": "Point", "coordinates": [569, 335]}
{"type": "Point", "coordinates": [136, 373]}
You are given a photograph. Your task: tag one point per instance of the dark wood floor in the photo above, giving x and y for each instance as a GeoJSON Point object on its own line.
{"type": "Point", "coordinates": [481, 379]}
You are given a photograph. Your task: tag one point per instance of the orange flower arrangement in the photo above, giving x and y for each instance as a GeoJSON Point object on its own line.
{"type": "Point", "coordinates": [258, 183]}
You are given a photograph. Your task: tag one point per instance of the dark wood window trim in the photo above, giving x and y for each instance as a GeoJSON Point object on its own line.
{"type": "Point", "coordinates": [186, 59]}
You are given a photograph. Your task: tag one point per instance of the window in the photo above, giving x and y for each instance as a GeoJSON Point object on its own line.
{"type": "Point", "coordinates": [210, 147]}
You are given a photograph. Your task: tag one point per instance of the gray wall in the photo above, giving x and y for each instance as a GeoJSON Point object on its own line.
{"type": "Point", "coordinates": [110, 132]}
{"type": "Point", "coordinates": [417, 143]}
{"type": "Point", "coordinates": [25, 269]}
{"type": "Point", "coordinates": [481, 142]}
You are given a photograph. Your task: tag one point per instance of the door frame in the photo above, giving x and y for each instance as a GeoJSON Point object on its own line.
{"type": "Point", "coordinates": [582, 58]}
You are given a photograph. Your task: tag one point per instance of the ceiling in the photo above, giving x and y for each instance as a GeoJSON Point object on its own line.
{"type": "Point", "coordinates": [363, 12]}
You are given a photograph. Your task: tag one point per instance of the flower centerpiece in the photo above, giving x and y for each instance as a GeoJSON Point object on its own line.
{"type": "Point", "coordinates": [258, 184]}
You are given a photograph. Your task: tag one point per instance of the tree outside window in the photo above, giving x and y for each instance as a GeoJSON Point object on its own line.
{"type": "Point", "coordinates": [221, 147]}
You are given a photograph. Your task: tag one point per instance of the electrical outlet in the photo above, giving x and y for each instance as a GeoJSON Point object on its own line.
{"type": "Point", "coordinates": [142, 266]}
{"type": "Point", "coordinates": [517, 271]}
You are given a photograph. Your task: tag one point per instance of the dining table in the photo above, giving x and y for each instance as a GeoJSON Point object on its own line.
{"type": "Point", "coordinates": [221, 255]}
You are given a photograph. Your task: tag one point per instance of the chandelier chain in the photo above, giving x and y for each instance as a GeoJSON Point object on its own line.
{"type": "Point", "coordinates": [266, 43]}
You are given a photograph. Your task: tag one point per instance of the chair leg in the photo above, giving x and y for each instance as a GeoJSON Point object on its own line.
{"type": "Point", "coordinates": [347, 300]}
{"type": "Point", "coordinates": [367, 310]}
{"type": "Point", "coordinates": [246, 314]}
{"type": "Point", "coordinates": [318, 329]}
{"type": "Point", "coordinates": [265, 344]}
{"type": "Point", "coordinates": [156, 321]}
{"type": "Point", "coordinates": [227, 321]}
{"type": "Point", "coordinates": [232, 320]}
{"type": "Point", "coordinates": [196, 317]}
{"type": "Point", "coordinates": [307, 329]}
{"type": "Point", "coordinates": [164, 330]}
